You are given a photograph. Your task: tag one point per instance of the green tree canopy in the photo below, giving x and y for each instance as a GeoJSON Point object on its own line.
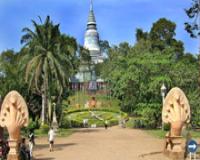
{"type": "Point", "coordinates": [51, 59]}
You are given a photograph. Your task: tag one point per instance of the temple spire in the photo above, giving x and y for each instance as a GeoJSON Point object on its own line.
{"type": "Point", "coordinates": [91, 5]}
{"type": "Point", "coordinates": [91, 18]}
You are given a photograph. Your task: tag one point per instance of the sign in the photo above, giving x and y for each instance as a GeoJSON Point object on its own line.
{"type": "Point", "coordinates": [192, 146]}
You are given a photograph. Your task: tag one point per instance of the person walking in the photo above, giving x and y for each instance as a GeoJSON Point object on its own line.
{"type": "Point", "coordinates": [31, 142]}
{"type": "Point", "coordinates": [106, 124]}
{"type": "Point", "coordinates": [51, 135]}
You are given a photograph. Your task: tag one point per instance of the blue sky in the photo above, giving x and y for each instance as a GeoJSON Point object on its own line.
{"type": "Point", "coordinates": [117, 19]}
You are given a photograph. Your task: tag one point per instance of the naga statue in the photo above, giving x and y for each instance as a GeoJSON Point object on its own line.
{"type": "Point", "coordinates": [14, 116]}
{"type": "Point", "coordinates": [176, 112]}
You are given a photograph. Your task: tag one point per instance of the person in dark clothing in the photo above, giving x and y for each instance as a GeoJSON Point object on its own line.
{"type": "Point", "coordinates": [106, 124]}
{"type": "Point", "coordinates": [24, 152]}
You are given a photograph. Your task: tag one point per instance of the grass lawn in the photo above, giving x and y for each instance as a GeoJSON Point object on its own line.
{"type": "Point", "coordinates": [60, 133]}
{"type": "Point", "coordinates": [158, 133]}
{"type": "Point", "coordinates": [75, 110]}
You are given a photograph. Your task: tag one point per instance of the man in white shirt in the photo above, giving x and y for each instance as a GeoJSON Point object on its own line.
{"type": "Point", "coordinates": [51, 135]}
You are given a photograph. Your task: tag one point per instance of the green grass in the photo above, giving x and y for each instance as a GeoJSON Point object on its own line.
{"type": "Point", "coordinates": [195, 134]}
{"type": "Point", "coordinates": [158, 133]}
{"type": "Point", "coordinates": [111, 117]}
{"type": "Point", "coordinates": [107, 109]}
{"type": "Point", "coordinates": [60, 133]}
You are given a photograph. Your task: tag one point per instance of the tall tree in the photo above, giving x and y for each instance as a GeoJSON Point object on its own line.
{"type": "Point", "coordinates": [50, 58]}
{"type": "Point", "coordinates": [141, 35]}
{"type": "Point", "coordinates": [193, 27]}
{"type": "Point", "coordinates": [10, 75]}
{"type": "Point", "coordinates": [162, 33]}
{"type": "Point", "coordinates": [193, 12]}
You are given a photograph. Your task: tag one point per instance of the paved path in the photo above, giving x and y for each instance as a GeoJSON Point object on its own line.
{"type": "Point", "coordinates": [100, 144]}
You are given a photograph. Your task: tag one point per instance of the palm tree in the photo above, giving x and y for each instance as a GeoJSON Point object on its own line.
{"type": "Point", "coordinates": [49, 59]}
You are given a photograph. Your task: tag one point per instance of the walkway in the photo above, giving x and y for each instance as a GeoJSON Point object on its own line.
{"type": "Point", "coordinates": [100, 144]}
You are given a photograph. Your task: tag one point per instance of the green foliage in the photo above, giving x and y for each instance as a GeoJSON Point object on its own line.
{"type": "Point", "coordinates": [166, 127]}
{"type": "Point", "coordinates": [75, 118]}
{"type": "Point", "coordinates": [135, 73]}
{"type": "Point", "coordinates": [193, 12]}
{"type": "Point", "coordinates": [150, 113]}
{"type": "Point", "coordinates": [158, 133]}
{"type": "Point", "coordinates": [162, 33]}
{"type": "Point", "coordinates": [32, 125]}
{"type": "Point", "coordinates": [44, 128]}
{"type": "Point", "coordinates": [50, 60]}
{"type": "Point", "coordinates": [61, 132]}
{"type": "Point", "coordinates": [66, 123]}
{"type": "Point", "coordinates": [194, 99]}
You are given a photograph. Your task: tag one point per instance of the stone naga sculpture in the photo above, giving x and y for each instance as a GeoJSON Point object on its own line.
{"type": "Point", "coordinates": [14, 116]}
{"type": "Point", "coordinates": [176, 111]}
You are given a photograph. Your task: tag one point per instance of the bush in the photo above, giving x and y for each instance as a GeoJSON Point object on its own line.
{"type": "Point", "coordinates": [166, 126]}
{"type": "Point", "coordinates": [76, 124]}
{"type": "Point", "coordinates": [151, 115]}
{"type": "Point", "coordinates": [194, 99]}
{"type": "Point", "coordinates": [32, 125]}
{"type": "Point", "coordinates": [138, 123]}
{"type": "Point", "coordinates": [96, 109]}
{"type": "Point", "coordinates": [65, 123]}
{"type": "Point", "coordinates": [44, 128]}
{"type": "Point", "coordinates": [113, 122]}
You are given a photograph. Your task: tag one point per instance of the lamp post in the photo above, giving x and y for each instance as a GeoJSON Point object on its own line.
{"type": "Point", "coordinates": [163, 90]}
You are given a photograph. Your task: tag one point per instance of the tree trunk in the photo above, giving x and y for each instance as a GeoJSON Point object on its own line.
{"type": "Point", "coordinates": [44, 113]}
{"type": "Point", "coordinates": [43, 109]}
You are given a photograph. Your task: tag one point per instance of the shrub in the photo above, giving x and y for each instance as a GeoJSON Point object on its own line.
{"type": "Point", "coordinates": [76, 124]}
{"type": "Point", "coordinates": [151, 115]}
{"type": "Point", "coordinates": [66, 123]}
{"type": "Point", "coordinates": [44, 128]}
{"type": "Point", "coordinates": [113, 122]}
{"type": "Point", "coordinates": [137, 123]}
{"type": "Point", "coordinates": [166, 127]}
{"type": "Point", "coordinates": [32, 125]}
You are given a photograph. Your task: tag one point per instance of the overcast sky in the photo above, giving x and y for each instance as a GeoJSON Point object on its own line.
{"type": "Point", "coordinates": [117, 19]}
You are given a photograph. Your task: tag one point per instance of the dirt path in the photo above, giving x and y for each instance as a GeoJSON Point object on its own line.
{"type": "Point", "coordinates": [100, 144]}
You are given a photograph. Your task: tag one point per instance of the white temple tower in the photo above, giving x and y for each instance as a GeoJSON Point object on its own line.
{"type": "Point", "coordinates": [91, 40]}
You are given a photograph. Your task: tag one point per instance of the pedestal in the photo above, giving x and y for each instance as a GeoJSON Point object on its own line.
{"type": "Point", "coordinates": [13, 153]}
{"type": "Point", "coordinates": [175, 147]}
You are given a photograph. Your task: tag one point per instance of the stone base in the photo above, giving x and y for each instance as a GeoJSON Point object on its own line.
{"type": "Point", "coordinates": [175, 147]}
{"type": "Point", "coordinates": [13, 157]}
{"type": "Point", "coordinates": [175, 155]}
{"type": "Point", "coordinates": [13, 153]}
